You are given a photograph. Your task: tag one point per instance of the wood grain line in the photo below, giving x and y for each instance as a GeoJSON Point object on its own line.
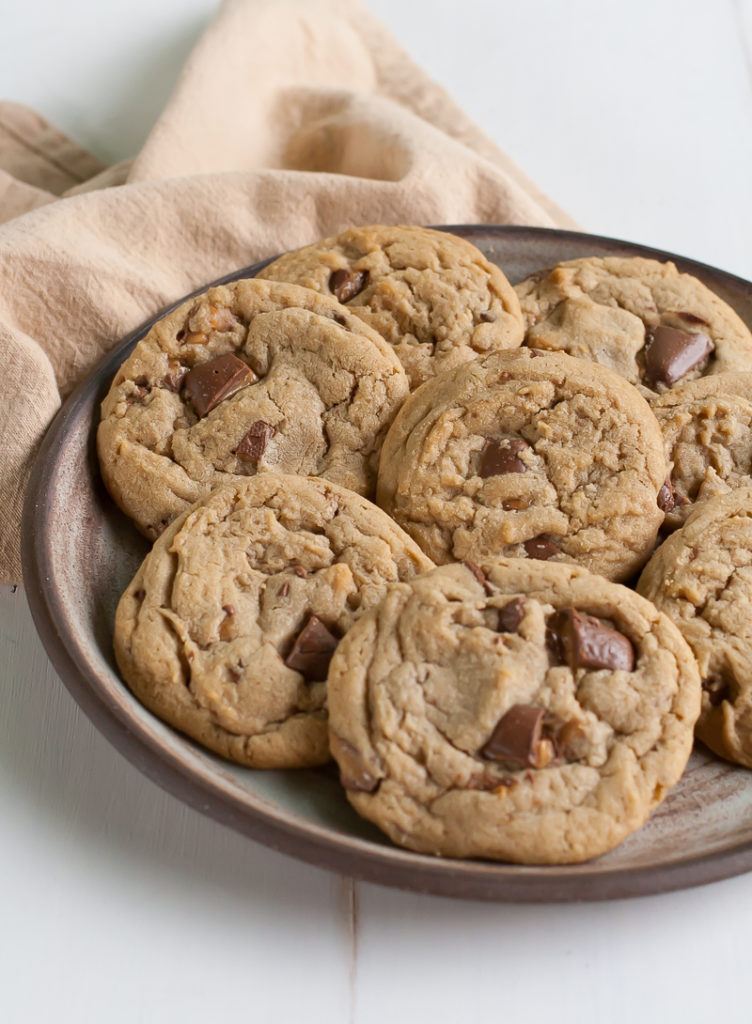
{"type": "Point", "coordinates": [350, 903]}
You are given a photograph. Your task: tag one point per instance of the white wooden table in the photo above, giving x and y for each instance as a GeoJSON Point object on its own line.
{"type": "Point", "coordinates": [121, 904]}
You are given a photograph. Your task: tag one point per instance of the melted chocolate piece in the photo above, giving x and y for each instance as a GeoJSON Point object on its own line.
{"type": "Point", "coordinates": [210, 383]}
{"type": "Point", "coordinates": [588, 642]}
{"type": "Point", "coordinates": [353, 773]}
{"type": "Point", "coordinates": [690, 318]}
{"type": "Point", "coordinates": [667, 496]}
{"type": "Point", "coordinates": [312, 651]}
{"type": "Point", "coordinates": [479, 575]}
{"type": "Point", "coordinates": [255, 441]}
{"type": "Point", "coordinates": [510, 616]}
{"type": "Point", "coordinates": [141, 391]}
{"type": "Point", "coordinates": [487, 317]}
{"type": "Point", "coordinates": [541, 548]}
{"type": "Point", "coordinates": [499, 457]}
{"type": "Point", "coordinates": [173, 379]}
{"type": "Point", "coordinates": [671, 354]}
{"type": "Point", "coordinates": [517, 737]}
{"type": "Point", "coordinates": [346, 284]}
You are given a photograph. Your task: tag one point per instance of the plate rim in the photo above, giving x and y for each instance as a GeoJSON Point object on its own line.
{"type": "Point", "coordinates": [312, 842]}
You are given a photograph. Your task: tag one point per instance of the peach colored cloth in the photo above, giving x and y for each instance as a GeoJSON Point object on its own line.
{"type": "Point", "coordinates": [292, 120]}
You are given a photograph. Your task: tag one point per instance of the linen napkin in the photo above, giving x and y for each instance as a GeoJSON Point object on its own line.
{"type": "Point", "coordinates": [292, 120]}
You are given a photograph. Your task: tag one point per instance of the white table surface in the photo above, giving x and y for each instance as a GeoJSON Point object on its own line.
{"type": "Point", "coordinates": [121, 904]}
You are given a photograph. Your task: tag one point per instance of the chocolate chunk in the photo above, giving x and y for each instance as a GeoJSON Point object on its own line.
{"type": "Point", "coordinates": [667, 496]}
{"type": "Point", "coordinates": [541, 548]}
{"type": "Point", "coordinates": [312, 651]}
{"type": "Point", "coordinates": [499, 457]}
{"type": "Point", "coordinates": [255, 441]}
{"type": "Point", "coordinates": [554, 647]}
{"type": "Point", "coordinates": [588, 642]}
{"type": "Point", "coordinates": [487, 317]}
{"type": "Point", "coordinates": [140, 392]}
{"type": "Point", "coordinates": [346, 284]}
{"type": "Point", "coordinates": [479, 575]}
{"type": "Point", "coordinates": [511, 615]}
{"type": "Point", "coordinates": [210, 383]}
{"type": "Point", "coordinates": [517, 738]}
{"type": "Point", "coordinates": [173, 379]}
{"type": "Point", "coordinates": [671, 354]}
{"type": "Point", "coordinates": [353, 773]}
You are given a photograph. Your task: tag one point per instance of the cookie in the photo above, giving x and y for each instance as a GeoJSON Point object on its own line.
{"type": "Point", "coordinates": [707, 427]}
{"type": "Point", "coordinates": [534, 713]}
{"type": "Point", "coordinates": [641, 318]}
{"type": "Point", "coordinates": [527, 455]}
{"type": "Point", "coordinates": [227, 629]}
{"type": "Point", "coordinates": [433, 296]}
{"type": "Point", "coordinates": [701, 577]}
{"type": "Point", "coordinates": [249, 376]}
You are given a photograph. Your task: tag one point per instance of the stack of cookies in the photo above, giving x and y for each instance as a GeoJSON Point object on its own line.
{"type": "Point", "coordinates": [399, 511]}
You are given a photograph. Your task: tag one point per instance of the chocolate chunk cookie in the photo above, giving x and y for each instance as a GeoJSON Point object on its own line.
{"type": "Point", "coordinates": [707, 426]}
{"type": "Point", "coordinates": [528, 455]}
{"type": "Point", "coordinates": [433, 296]}
{"type": "Point", "coordinates": [532, 713]}
{"type": "Point", "coordinates": [249, 376]}
{"type": "Point", "coordinates": [228, 627]}
{"type": "Point", "coordinates": [639, 317]}
{"type": "Point", "coordinates": [701, 577]}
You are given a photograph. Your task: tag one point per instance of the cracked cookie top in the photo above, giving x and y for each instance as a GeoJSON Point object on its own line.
{"type": "Point", "coordinates": [227, 629]}
{"type": "Point", "coordinates": [701, 577]}
{"type": "Point", "coordinates": [521, 711]}
{"type": "Point", "coordinates": [249, 376]}
{"type": "Point", "coordinates": [433, 296]}
{"type": "Point", "coordinates": [707, 427]}
{"type": "Point", "coordinates": [639, 317]}
{"type": "Point", "coordinates": [527, 454]}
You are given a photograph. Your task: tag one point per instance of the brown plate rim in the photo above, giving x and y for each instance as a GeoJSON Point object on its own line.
{"type": "Point", "coordinates": [311, 842]}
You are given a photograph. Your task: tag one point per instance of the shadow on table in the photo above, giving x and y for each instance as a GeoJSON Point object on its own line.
{"type": "Point", "coordinates": [93, 799]}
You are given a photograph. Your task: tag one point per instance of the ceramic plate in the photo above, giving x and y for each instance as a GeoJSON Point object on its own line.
{"type": "Point", "coordinates": [80, 552]}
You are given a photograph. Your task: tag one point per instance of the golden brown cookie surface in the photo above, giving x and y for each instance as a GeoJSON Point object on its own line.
{"type": "Point", "coordinates": [227, 629]}
{"type": "Point", "coordinates": [701, 577]}
{"type": "Point", "coordinates": [527, 455]}
{"type": "Point", "coordinates": [533, 713]}
{"type": "Point", "coordinates": [644, 319]}
{"type": "Point", "coordinates": [434, 297]}
{"type": "Point", "coordinates": [249, 376]}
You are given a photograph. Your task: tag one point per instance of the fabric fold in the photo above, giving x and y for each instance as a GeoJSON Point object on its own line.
{"type": "Point", "coordinates": [291, 120]}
